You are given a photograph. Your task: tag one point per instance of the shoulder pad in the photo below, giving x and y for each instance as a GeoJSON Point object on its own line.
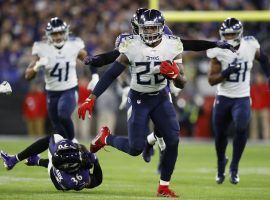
{"type": "Point", "coordinates": [249, 38]}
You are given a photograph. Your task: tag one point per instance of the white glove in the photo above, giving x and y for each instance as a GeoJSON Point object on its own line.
{"type": "Point", "coordinates": [124, 98]}
{"type": "Point", "coordinates": [92, 84]}
{"type": "Point", "coordinates": [41, 62]}
{"type": "Point", "coordinates": [174, 90]}
{"type": "Point", "coordinates": [5, 88]}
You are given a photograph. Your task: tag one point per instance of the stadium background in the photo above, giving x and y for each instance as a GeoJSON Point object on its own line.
{"type": "Point", "coordinates": [98, 23]}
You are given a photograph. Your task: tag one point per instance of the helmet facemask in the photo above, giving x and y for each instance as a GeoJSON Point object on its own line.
{"type": "Point", "coordinates": [151, 32]}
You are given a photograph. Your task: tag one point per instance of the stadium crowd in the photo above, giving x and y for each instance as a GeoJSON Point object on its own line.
{"type": "Point", "coordinates": [98, 23]}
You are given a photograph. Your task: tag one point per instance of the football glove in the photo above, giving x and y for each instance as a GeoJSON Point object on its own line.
{"type": "Point", "coordinates": [225, 45]}
{"type": "Point", "coordinates": [5, 88]}
{"type": "Point", "coordinates": [169, 70]}
{"type": "Point", "coordinates": [88, 60]}
{"type": "Point", "coordinates": [92, 84]}
{"type": "Point", "coordinates": [41, 62]}
{"type": "Point", "coordinates": [124, 98]}
{"type": "Point", "coordinates": [230, 70]}
{"type": "Point", "coordinates": [88, 105]}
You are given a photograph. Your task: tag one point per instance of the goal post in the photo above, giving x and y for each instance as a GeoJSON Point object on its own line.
{"type": "Point", "coordinates": [212, 16]}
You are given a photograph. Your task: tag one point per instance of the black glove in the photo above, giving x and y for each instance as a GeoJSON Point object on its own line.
{"type": "Point", "coordinates": [230, 70]}
{"type": "Point", "coordinates": [225, 45]}
{"type": "Point", "coordinates": [88, 60]}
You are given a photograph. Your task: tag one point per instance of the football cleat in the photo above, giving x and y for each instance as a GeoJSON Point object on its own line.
{"type": "Point", "coordinates": [32, 160]}
{"type": "Point", "coordinates": [148, 152]}
{"type": "Point", "coordinates": [165, 191]}
{"type": "Point", "coordinates": [100, 140]}
{"type": "Point", "coordinates": [234, 178]}
{"type": "Point", "coordinates": [220, 177]}
{"type": "Point", "coordinates": [9, 160]}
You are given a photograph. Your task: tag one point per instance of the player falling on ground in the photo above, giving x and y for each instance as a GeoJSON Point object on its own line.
{"type": "Point", "coordinates": [231, 73]}
{"type": "Point", "coordinates": [146, 55]}
{"type": "Point", "coordinates": [68, 165]}
{"type": "Point", "coordinates": [57, 56]}
{"type": "Point", "coordinates": [109, 57]}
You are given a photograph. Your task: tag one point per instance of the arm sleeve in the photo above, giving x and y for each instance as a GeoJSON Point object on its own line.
{"type": "Point", "coordinates": [105, 58]}
{"type": "Point", "coordinates": [197, 45]}
{"type": "Point", "coordinates": [109, 76]}
{"type": "Point", "coordinates": [96, 176]}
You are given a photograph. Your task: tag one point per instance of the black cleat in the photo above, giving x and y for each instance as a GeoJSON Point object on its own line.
{"type": "Point", "coordinates": [234, 178]}
{"type": "Point", "coordinates": [220, 177]}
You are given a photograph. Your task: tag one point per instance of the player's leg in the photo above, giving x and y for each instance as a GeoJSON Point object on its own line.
{"type": "Point", "coordinates": [37, 147]}
{"type": "Point", "coordinates": [52, 104]}
{"type": "Point", "coordinates": [164, 118]}
{"type": "Point", "coordinates": [66, 106]}
{"type": "Point", "coordinates": [138, 119]}
{"type": "Point", "coordinates": [221, 121]}
{"type": "Point", "coordinates": [241, 117]}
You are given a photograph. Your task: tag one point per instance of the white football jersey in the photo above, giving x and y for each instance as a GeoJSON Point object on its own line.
{"type": "Point", "coordinates": [60, 72]}
{"type": "Point", "coordinates": [238, 84]}
{"type": "Point", "coordinates": [145, 61]}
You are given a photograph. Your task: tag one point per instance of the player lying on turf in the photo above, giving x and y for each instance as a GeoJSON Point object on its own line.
{"type": "Point", "coordinates": [5, 88]}
{"type": "Point", "coordinates": [68, 165]}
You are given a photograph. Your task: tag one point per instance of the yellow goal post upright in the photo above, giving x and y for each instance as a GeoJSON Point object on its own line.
{"type": "Point", "coordinates": [212, 16]}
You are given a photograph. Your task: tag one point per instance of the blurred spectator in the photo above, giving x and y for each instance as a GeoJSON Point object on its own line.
{"type": "Point", "coordinates": [35, 110]}
{"type": "Point", "coordinates": [259, 127]}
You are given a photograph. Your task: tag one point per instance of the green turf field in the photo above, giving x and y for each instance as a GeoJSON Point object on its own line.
{"type": "Point", "coordinates": [126, 177]}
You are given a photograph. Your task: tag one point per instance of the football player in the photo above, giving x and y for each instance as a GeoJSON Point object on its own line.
{"type": "Point", "coordinates": [68, 165]}
{"type": "Point", "coordinates": [152, 57]}
{"type": "Point", "coordinates": [231, 74]}
{"type": "Point", "coordinates": [5, 88]}
{"type": "Point", "coordinates": [57, 56]}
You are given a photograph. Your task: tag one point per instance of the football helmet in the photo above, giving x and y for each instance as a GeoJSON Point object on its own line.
{"type": "Point", "coordinates": [151, 25]}
{"type": "Point", "coordinates": [135, 20]}
{"type": "Point", "coordinates": [56, 25]}
{"type": "Point", "coordinates": [67, 156]}
{"type": "Point", "coordinates": [231, 26]}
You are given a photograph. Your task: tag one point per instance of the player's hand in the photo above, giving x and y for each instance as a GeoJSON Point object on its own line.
{"type": "Point", "coordinates": [88, 105]}
{"type": "Point", "coordinates": [88, 60]}
{"type": "Point", "coordinates": [230, 70]}
{"type": "Point", "coordinates": [225, 45]}
{"type": "Point", "coordinates": [169, 70]}
{"type": "Point", "coordinates": [124, 98]}
{"type": "Point", "coordinates": [43, 61]}
{"type": "Point", "coordinates": [5, 88]}
{"type": "Point", "coordinates": [92, 84]}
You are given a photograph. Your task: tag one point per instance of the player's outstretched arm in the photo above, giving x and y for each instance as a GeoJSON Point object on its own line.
{"type": "Point", "coordinates": [108, 77]}
{"type": "Point", "coordinates": [102, 59]}
{"type": "Point", "coordinates": [202, 45]}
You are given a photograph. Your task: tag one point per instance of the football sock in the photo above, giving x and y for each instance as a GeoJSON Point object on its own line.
{"type": "Point", "coordinates": [68, 126]}
{"type": "Point", "coordinates": [239, 143]}
{"type": "Point", "coordinates": [221, 142]}
{"type": "Point", "coordinates": [122, 144]}
{"type": "Point", "coordinates": [164, 183]}
{"type": "Point", "coordinates": [151, 139]}
{"type": "Point", "coordinates": [34, 149]}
